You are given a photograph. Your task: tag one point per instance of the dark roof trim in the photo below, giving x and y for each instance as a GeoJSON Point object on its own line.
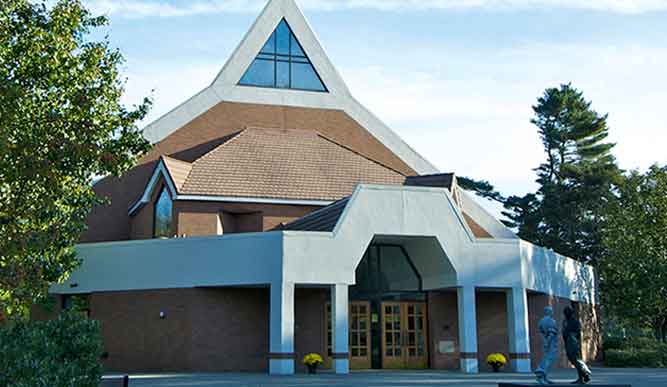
{"type": "Point", "coordinates": [440, 180]}
{"type": "Point", "coordinates": [322, 220]}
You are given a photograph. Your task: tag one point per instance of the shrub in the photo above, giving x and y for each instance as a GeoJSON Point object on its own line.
{"type": "Point", "coordinates": [57, 353]}
{"type": "Point", "coordinates": [613, 342]}
{"type": "Point", "coordinates": [641, 342]}
{"type": "Point", "coordinates": [643, 358]}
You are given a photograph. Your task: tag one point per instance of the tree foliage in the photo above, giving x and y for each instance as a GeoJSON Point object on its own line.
{"type": "Point", "coordinates": [634, 269]}
{"type": "Point", "coordinates": [63, 352]}
{"type": "Point", "coordinates": [575, 181]}
{"type": "Point", "coordinates": [61, 124]}
{"type": "Point", "coordinates": [481, 188]}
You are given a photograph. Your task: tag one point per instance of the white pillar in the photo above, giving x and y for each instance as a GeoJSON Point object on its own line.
{"type": "Point", "coordinates": [517, 315]}
{"type": "Point", "coordinates": [281, 331]}
{"type": "Point", "coordinates": [468, 329]}
{"type": "Point", "coordinates": [340, 328]}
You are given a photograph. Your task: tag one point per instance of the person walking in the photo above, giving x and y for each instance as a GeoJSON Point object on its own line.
{"type": "Point", "coordinates": [572, 339]}
{"type": "Point", "coordinates": [549, 331]}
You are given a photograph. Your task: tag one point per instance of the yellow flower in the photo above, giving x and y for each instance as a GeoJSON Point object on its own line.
{"type": "Point", "coordinates": [312, 359]}
{"type": "Point", "coordinates": [496, 358]}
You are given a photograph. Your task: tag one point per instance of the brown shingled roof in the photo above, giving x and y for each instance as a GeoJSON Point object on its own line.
{"type": "Point", "coordinates": [178, 170]}
{"type": "Point", "coordinates": [279, 164]}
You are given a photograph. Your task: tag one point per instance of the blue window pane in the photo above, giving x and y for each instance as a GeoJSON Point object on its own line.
{"type": "Point", "coordinates": [270, 46]}
{"type": "Point", "coordinates": [296, 48]}
{"type": "Point", "coordinates": [283, 64]}
{"type": "Point", "coordinates": [283, 35]}
{"type": "Point", "coordinates": [260, 73]}
{"type": "Point", "coordinates": [163, 216]}
{"type": "Point", "coordinates": [282, 72]}
{"type": "Point", "coordinates": [304, 77]}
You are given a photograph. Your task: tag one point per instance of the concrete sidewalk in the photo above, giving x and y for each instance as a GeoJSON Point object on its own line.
{"type": "Point", "coordinates": [635, 377]}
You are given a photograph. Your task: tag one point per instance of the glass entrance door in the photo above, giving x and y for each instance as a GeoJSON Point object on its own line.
{"type": "Point", "coordinates": [404, 335]}
{"type": "Point", "coordinates": [359, 333]}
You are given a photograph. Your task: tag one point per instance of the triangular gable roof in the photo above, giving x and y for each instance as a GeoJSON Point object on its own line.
{"type": "Point", "coordinates": [162, 169]}
{"type": "Point", "coordinates": [267, 22]}
{"type": "Point", "coordinates": [225, 87]}
{"type": "Point", "coordinates": [288, 65]}
{"type": "Point", "coordinates": [178, 171]}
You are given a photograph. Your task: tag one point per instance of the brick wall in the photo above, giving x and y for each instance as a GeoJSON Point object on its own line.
{"type": "Point", "coordinates": [492, 327]}
{"type": "Point", "coordinates": [443, 325]}
{"type": "Point", "coordinates": [204, 330]}
{"type": "Point", "coordinates": [492, 333]}
{"type": "Point", "coordinates": [201, 218]}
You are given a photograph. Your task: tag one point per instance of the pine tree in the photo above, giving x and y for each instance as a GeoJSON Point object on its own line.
{"type": "Point", "coordinates": [575, 181]}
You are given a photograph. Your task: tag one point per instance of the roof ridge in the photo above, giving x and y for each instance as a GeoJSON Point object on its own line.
{"type": "Point", "coordinates": [163, 160]}
{"type": "Point", "coordinates": [307, 131]}
{"type": "Point", "coordinates": [231, 138]}
{"type": "Point", "coordinates": [359, 154]}
{"type": "Point", "coordinates": [167, 157]}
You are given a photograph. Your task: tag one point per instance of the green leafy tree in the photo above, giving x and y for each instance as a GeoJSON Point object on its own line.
{"type": "Point", "coordinates": [634, 269]}
{"type": "Point", "coordinates": [575, 181]}
{"type": "Point", "coordinates": [61, 124]}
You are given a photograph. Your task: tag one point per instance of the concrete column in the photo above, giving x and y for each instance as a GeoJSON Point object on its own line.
{"type": "Point", "coordinates": [281, 332]}
{"type": "Point", "coordinates": [468, 329]}
{"type": "Point", "coordinates": [517, 315]}
{"type": "Point", "coordinates": [340, 328]}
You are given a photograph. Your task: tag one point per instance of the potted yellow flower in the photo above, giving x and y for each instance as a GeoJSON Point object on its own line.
{"type": "Point", "coordinates": [312, 361]}
{"type": "Point", "coordinates": [497, 361]}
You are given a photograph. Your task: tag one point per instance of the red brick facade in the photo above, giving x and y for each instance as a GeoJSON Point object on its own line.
{"type": "Point", "coordinates": [226, 329]}
{"type": "Point", "coordinates": [203, 330]}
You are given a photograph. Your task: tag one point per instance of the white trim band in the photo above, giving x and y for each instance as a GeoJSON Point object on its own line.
{"type": "Point", "coordinates": [233, 199]}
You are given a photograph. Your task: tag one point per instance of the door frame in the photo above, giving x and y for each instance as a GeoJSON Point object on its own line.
{"type": "Point", "coordinates": [403, 360]}
{"type": "Point", "coordinates": [356, 362]}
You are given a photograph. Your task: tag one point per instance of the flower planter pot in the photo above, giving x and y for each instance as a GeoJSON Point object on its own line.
{"type": "Point", "coordinates": [312, 369]}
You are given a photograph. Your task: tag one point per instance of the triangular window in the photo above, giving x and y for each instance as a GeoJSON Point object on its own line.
{"type": "Point", "coordinates": [283, 64]}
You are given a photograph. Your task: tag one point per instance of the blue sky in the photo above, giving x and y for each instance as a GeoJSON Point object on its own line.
{"type": "Point", "coordinates": [455, 78]}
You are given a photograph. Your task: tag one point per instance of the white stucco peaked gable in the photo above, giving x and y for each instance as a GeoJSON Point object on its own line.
{"type": "Point", "coordinates": [225, 87]}
{"type": "Point", "coordinates": [417, 214]}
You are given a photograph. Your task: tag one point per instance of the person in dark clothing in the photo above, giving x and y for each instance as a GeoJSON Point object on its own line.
{"type": "Point", "coordinates": [572, 339]}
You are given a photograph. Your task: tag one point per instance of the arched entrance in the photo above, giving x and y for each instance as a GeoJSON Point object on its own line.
{"type": "Point", "coordinates": [388, 314]}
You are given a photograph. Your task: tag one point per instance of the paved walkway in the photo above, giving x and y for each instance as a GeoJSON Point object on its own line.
{"type": "Point", "coordinates": [635, 377]}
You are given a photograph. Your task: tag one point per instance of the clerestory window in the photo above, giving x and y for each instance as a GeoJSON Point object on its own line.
{"type": "Point", "coordinates": [283, 64]}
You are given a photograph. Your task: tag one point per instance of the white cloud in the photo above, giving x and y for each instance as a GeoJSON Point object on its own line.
{"type": "Point", "coordinates": [473, 118]}
{"type": "Point", "coordinates": [164, 8]}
